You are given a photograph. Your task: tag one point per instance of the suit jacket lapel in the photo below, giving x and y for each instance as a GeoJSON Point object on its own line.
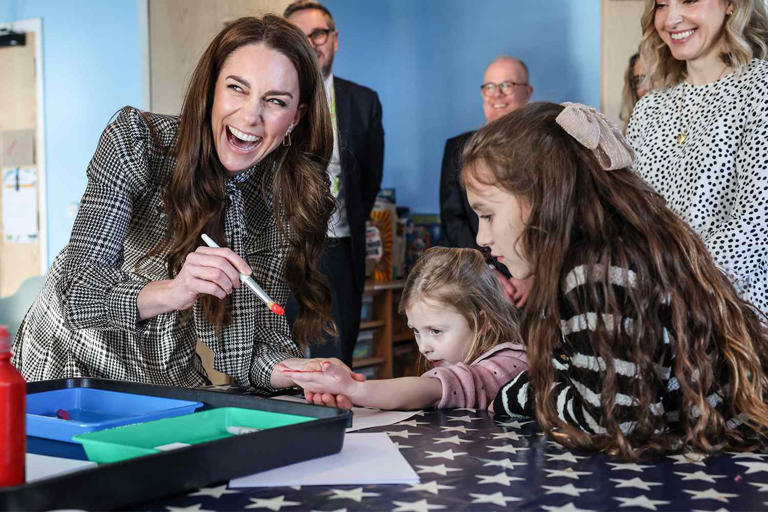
{"type": "Point", "coordinates": [343, 106]}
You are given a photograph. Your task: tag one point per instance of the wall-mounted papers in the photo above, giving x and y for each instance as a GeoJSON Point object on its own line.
{"type": "Point", "coordinates": [18, 148]}
{"type": "Point", "coordinates": [19, 198]}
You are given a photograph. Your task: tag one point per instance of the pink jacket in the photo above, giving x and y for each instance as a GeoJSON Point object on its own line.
{"type": "Point", "coordinates": [475, 385]}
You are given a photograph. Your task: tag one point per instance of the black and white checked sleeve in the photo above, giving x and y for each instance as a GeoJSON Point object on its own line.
{"type": "Point", "coordinates": [95, 293]}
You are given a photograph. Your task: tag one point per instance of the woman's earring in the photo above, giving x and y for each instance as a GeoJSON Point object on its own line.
{"type": "Point", "coordinates": [287, 136]}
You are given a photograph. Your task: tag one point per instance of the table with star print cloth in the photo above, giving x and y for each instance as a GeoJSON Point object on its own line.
{"type": "Point", "coordinates": [467, 460]}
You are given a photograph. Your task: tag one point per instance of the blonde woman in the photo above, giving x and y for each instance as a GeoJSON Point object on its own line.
{"type": "Point", "coordinates": [700, 138]}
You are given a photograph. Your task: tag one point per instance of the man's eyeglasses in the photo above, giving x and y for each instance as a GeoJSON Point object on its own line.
{"type": "Point", "coordinates": [506, 87]}
{"type": "Point", "coordinates": [320, 36]}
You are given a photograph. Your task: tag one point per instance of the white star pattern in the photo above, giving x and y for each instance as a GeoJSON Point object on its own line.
{"type": "Point", "coordinates": [568, 507]}
{"type": "Point", "coordinates": [501, 478]}
{"type": "Point", "coordinates": [468, 419]}
{"type": "Point", "coordinates": [453, 440]}
{"type": "Point", "coordinates": [401, 446]}
{"type": "Point", "coordinates": [754, 467]}
{"type": "Point", "coordinates": [565, 457]}
{"type": "Point", "coordinates": [214, 492]}
{"type": "Point", "coordinates": [506, 435]}
{"type": "Point", "coordinates": [496, 498]}
{"type": "Point", "coordinates": [627, 466]}
{"type": "Point", "coordinates": [506, 448]}
{"type": "Point", "coordinates": [640, 501]}
{"type": "Point", "coordinates": [700, 475]}
{"type": "Point", "coordinates": [191, 508]}
{"type": "Point", "coordinates": [458, 428]}
{"type": "Point", "coordinates": [357, 494]}
{"type": "Point", "coordinates": [555, 444]}
{"type": "Point", "coordinates": [635, 483]}
{"type": "Point", "coordinates": [439, 469]}
{"type": "Point", "coordinates": [504, 463]}
{"type": "Point", "coordinates": [431, 487]}
{"type": "Point", "coordinates": [711, 494]}
{"type": "Point", "coordinates": [411, 423]}
{"type": "Point", "coordinates": [760, 487]}
{"type": "Point", "coordinates": [402, 433]}
{"type": "Point", "coordinates": [274, 504]}
{"type": "Point", "coordinates": [747, 455]}
{"type": "Point", "coordinates": [416, 506]}
{"type": "Point", "coordinates": [512, 424]}
{"type": "Point", "coordinates": [568, 489]}
{"type": "Point", "coordinates": [689, 458]}
{"type": "Point", "coordinates": [465, 409]}
{"type": "Point", "coordinates": [447, 454]}
{"type": "Point", "coordinates": [567, 473]}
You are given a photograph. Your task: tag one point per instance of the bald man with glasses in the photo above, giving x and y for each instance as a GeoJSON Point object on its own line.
{"type": "Point", "coordinates": [505, 87]}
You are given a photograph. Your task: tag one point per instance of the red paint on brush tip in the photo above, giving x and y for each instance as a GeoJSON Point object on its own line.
{"type": "Point", "coordinates": [277, 309]}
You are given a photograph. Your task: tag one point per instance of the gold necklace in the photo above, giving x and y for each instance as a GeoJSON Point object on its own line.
{"type": "Point", "coordinates": [682, 135]}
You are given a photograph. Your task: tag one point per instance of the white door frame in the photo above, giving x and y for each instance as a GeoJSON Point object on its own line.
{"type": "Point", "coordinates": [35, 25]}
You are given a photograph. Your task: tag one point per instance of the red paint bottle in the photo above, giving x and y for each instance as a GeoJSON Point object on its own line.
{"type": "Point", "coordinates": [13, 437]}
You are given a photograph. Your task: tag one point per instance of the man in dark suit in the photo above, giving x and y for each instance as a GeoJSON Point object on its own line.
{"type": "Point", "coordinates": [505, 88]}
{"type": "Point", "coordinates": [355, 171]}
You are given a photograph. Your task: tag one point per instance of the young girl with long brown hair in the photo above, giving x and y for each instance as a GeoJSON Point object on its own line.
{"type": "Point", "coordinates": [465, 329]}
{"type": "Point", "coordinates": [636, 342]}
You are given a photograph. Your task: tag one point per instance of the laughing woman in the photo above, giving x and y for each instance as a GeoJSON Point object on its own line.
{"type": "Point", "coordinates": [700, 139]}
{"type": "Point", "coordinates": [245, 161]}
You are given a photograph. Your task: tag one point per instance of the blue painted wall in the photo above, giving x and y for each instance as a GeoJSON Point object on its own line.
{"type": "Point", "coordinates": [91, 66]}
{"type": "Point", "coordinates": [426, 60]}
{"type": "Point", "coordinates": [424, 57]}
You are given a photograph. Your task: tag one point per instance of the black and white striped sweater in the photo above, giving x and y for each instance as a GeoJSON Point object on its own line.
{"type": "Point", "coordinates": [579, 372]}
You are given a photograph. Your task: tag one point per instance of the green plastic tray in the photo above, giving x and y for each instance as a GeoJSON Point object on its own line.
{"type": "Point", "coordinates": [121, 443]}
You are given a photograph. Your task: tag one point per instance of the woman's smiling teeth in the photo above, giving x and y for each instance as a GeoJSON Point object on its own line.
{"type": "Point", "coordinates": [241, 140]}
{"type": "Point", "coordinates": [679, 36]}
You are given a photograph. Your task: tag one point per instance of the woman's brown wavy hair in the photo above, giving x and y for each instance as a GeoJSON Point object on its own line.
{"type": "Point", "coordinates": [583, 215]}
{"type": "Point", "coordinates": [196, 197]}
{"type": "Point", "coordinates": [746, 37]}
{"type": "Point", "coordinates": [460, 278]}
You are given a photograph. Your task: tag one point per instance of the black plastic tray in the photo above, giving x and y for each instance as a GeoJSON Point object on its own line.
{"type": "Point", "coordinates": [143, 479]}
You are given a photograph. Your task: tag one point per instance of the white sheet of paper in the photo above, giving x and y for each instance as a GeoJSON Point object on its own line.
{"type": "Point", "coordinates": [365, 459]}
{"type": "Point", "coordinates": [364, 417]}
{"type": "Point", "coordinates": [44, 466]}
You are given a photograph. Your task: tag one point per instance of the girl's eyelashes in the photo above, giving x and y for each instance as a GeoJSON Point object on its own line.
{"type": "Point", "coordinates": [435, 332]}
{"type": "Point", "coordinates": [486, 217]}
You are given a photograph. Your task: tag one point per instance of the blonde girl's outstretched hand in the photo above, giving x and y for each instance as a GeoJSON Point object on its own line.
{"type": "Point", "coordinates": [332, 384]}
{"type": "Point", "coordinates": [206, 271]}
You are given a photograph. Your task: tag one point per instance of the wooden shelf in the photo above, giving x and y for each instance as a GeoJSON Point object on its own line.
{"type": "Point", "coordinates": [375, 324]}
{"type": "Point", "coordinates": [366, 361]}
{"type": "Point", "coordinates": [402, 336]}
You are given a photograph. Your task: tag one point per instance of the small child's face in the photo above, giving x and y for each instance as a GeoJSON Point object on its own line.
{"type": "Point", "coordinates": [502, 221]}
{"type": "Point", "coordinates": [442, 333]}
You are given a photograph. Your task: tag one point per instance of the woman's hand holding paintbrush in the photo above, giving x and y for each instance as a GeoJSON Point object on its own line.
{"type": "Point", "coordinates": [206, 271]}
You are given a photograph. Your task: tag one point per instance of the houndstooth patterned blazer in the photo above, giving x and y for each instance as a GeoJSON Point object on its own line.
{"type": "Point", "coordinates": [85, 321]}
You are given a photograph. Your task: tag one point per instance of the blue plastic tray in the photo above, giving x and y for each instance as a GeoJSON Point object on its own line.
{"type": "Point", "coordinates": [95, 409]}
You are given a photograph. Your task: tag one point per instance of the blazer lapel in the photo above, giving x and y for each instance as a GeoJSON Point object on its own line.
{"type": "Point", "coordinates": [343, 107]}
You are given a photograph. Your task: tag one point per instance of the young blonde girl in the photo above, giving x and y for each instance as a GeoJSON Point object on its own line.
{"type": "Point", "coordinates": [636, 342]}
{"type": "Point", "coordinates": [465, 329]}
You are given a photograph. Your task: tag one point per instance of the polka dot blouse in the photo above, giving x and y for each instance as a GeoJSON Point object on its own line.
{"type": "Point", "coordinates": [715, 176]}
